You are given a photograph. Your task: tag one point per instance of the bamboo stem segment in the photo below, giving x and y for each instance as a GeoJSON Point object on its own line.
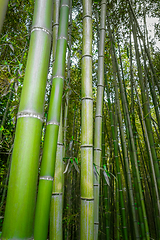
{"type": "Point", "coordinates": [87, 222]}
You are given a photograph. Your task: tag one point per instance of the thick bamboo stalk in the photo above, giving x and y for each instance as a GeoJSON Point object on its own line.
{"type": "Point", "coordinates": [98, 117]}
{"type": "Point", "coordinates": [87, 201]}
{"type": "Point", "coordinates": [20, 207]}
{"type": "Point", "coordinates": [3, 9]}
{"type": "Point", "coordinates": [53, 121]}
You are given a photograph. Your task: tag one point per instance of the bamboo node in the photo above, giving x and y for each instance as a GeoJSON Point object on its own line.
{"type": "Point", "coordinates": [101, 56]}
{"type": "Point", "coordinates": [41, 29]}
{"type": "Point", "coordinates": [96, 223]}
{"type": "Point", "coordinates": [65, 5]}
{"type": "Point", "coordinates": [87, 199]}
{"type": "Point", "coordinates": [53, 123]}
{"type": "Point", "coordinates": [56, 76]}
{"type": "Point", "coordinates": [98, 116]}
{"type": "Point", "coordinates": [55, 24]}
{"type": "Point", "coordinates": [29, 114]}
{"type": "Point", "coordinates": [103, 2]}
{"type": "Point", "coordinates": [102, 29]}
{"type": "Point", "coordinates": [86, 145]}
{"type": "Point", "coordinates": [87, 55]}
{"type": "Point", "coordinates": [97, 149]}
{"type": "Point", "coordinates": [100, 85]}
{"type": "Point", "coordinates": [48, 178]}
{"type": "Point", "coordinates": [87, 15]}
{"type": "Point", "coordinates": [56, 194]}
{"type": "Point", "coordinates": [60, 144]}
{"type": "Point", "coordinates": [87, 98]}
{"type": "Point", "coordinates": [62, 37]}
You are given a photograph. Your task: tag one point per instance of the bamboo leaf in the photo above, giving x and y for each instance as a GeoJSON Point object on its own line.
{"type": "Point", "coordinates": [76, 160]}
{"type": "Point", "coordinates": [67, 166]}
{"type": "Point", "coordinates": [11, 46]}
{"type": "Point", "coordinates": [76, 166]}
{"type": "Point", "coordinates": [106, 177]}
{"type": "Point", "coordinates": [70, 145]}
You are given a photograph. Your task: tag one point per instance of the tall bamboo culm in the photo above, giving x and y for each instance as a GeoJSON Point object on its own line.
{"type": "Point", "coordinates": [51, 136]}
{"type": "Point", "coordinates": [98, 117]}
{"type": "Point", "coordinates": [87, 201]}
{"type": "Point", "coordinates": [56, 199]}
{"type": "Point", "coordinates": [20, 207]}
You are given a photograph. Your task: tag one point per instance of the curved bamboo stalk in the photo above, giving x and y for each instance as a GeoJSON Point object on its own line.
{"type": "Point", "coordinates": [98, 117]}
{"type": "Point", "coordinates": [20, 207]}
{"type": "Point", "coordinates": [53, 121]}
{"type": "Point", "coordinates": [87, 201]}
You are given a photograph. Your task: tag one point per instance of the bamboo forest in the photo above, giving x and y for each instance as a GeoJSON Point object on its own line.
{"type": "Point", "coordinates": [79, 120]}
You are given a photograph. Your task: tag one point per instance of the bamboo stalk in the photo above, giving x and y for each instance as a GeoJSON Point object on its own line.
{"type": "Point", "coordinates": [57, 191]}
{"type": "Point", "coordinates": [20, 207]}
{"type": "Point", "coordinates": [53, 121]}
{"type": "Point", "coordinates": [87, 201]}
{"type": "Point", "coordinates": [98, 117]}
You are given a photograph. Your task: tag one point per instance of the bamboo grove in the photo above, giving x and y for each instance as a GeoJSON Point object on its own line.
{"type": "Point", "coordinates": [80, 120]}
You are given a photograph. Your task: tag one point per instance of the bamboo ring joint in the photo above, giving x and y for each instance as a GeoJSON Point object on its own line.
{"type": "Point", "coordinates": [53, 123]}
{"type": "Point", "coordinates": [48, 178]}
{"type": "Point", "coordinates": [42, 29]}
{"type": "Point", "coordinates": [29, 114]}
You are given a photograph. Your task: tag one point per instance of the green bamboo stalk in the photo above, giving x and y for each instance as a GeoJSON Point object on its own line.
{"type": "Point", "coordinates": [106, 188]}
{"type": "Point", "coordinates": [87, 201]}
{"type": "Point", "coordinates": [68, 75]}
{"type": "Point", "coordinates": [57, 191]}
{"type": "Point", "coordinates": [56, 8]}
{"type": "Point", "coordinates": [19, 214]}
{"type": "Point", "coordinates": [98, 117]}
{"type": "Point", "coordinates": [53, 121]}
{"type": "Point", "coordinates": [3, 9]}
